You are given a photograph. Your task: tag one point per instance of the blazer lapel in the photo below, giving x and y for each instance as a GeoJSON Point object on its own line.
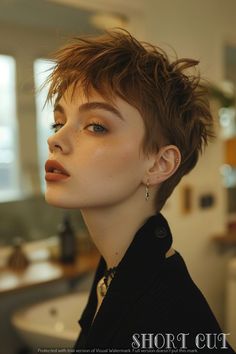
{"type": "Point", "coordinates": [136, 271]}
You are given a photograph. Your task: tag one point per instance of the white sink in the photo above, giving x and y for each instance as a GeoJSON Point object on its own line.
{"type": "Point", "coordinates": [52, 323]}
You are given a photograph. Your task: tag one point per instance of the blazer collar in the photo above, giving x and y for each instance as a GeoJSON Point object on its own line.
{"type": "Point", "coordinates": [139, 266]}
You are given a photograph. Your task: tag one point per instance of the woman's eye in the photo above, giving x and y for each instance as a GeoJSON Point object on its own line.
{"type": "Point", "coordinates": [96, 128]}
{"type": "Point", "coordinates": [56, 126]}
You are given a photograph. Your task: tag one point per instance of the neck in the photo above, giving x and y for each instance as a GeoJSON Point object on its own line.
{"type": "Point", "coordinates": [113, 228]}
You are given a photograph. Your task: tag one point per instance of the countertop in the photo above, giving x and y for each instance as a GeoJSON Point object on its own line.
{"type": "Point", "coordinates": [46, 271]}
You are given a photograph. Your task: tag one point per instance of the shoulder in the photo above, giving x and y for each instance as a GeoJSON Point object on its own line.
{"type": "Point", "coordinates": [174, 301]}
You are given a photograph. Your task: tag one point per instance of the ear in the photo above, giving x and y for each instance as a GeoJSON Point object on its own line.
{"type": "Point", "coordinates": [162, 165]}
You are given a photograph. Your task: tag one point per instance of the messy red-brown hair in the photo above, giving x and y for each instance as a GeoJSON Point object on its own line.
{"type": "Point", "coordinates": [172, 103]}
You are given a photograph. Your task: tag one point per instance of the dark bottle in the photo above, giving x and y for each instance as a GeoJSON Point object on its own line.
{"type": "Point", "coordinates": [67, 240]}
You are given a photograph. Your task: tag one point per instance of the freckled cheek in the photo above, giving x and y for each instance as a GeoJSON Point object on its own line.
{"type": "Point", "coordinates": [121, 154]}
{"type": "Point", "coordinates": [110, 157]}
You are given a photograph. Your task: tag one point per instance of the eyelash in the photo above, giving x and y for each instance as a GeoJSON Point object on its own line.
{"type": "Point", "coordinates": [54, 127]}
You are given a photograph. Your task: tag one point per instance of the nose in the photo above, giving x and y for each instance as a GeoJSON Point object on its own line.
{"type": "Point", "coordinates": [53, 146]}
{"type": "Point", "coordinates": [59, 142]}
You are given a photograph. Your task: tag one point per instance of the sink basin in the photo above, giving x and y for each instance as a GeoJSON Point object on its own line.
{"type": "Point", "coordinates": [52, 323]}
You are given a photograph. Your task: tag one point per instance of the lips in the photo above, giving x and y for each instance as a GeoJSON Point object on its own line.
{"type": "Point", "coordinates": [55, 171]}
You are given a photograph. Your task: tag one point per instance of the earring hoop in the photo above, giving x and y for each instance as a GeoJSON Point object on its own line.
{"type": "Point", "coordinates": [147, 194]}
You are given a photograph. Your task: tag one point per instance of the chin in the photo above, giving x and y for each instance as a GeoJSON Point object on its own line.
{"type": "Point", "coordinates": [60, 201]}
{"type": "Point", "coordinates": [65, 200]}
{"type": "Point", "coordinates": [55, 200]}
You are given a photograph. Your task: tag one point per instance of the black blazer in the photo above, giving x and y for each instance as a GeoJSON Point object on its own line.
{"type": "Point", "coordinates": [152, 302]}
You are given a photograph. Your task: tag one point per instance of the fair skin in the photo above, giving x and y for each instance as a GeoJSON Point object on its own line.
{"type": "Point", "coordinates": [100, 147]}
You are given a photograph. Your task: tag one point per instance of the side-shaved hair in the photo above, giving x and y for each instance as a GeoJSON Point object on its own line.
{"type": "Point", "coordinates": [173, 104]}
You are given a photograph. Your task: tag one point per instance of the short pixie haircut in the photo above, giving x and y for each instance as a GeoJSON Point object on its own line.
{"type": "Point", "coordinates": [174, 106]}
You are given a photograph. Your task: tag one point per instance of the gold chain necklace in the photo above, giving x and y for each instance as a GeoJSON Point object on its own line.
{"type": "Point", "coordinates": [105, 281]}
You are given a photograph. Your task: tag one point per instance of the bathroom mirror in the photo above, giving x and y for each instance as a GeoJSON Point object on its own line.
{"type": "Point", "coordinates": [30, 31]}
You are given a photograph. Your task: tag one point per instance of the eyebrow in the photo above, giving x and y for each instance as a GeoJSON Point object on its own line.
{"type": "Point", "coordinates": [88, 106]}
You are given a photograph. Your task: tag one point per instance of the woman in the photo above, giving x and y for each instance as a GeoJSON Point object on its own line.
{"type": "Point", "coordinates": [129, 124]}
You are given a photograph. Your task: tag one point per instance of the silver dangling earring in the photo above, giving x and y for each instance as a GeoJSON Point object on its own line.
{"type": "Point", "coordinates": [147, 195]}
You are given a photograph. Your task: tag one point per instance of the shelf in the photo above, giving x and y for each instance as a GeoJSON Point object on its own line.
{"type": "Point", "coordinates": [226, 239]}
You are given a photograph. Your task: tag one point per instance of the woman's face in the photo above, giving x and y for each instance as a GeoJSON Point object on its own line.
{"type": "Point", "coordinates": [99, 144]}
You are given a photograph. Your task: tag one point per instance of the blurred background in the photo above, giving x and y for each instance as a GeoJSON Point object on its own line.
{"type": "Point", "coordinates": [201, 211]}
